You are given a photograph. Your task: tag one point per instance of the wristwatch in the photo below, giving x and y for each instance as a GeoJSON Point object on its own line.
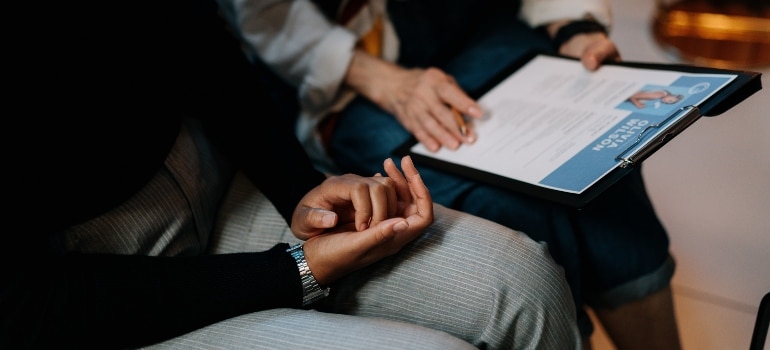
{"type": "Point", "coordinates": [311, 291]}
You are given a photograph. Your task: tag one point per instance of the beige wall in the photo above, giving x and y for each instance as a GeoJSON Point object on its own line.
{"type": "Point", "coordinates": [711, 188]}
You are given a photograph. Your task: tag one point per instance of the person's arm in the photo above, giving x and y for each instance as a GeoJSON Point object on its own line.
{"type": "Point", "coordinates": [85, 97]}
{"type": "Point", "coordinates": [305, 48]}
{"type": "Point", "coordinates": [52, 299]}
{"type": "Point", "coordinates": [119, 301]}
{"type": "Point", "coordinates": [78, 168]}
{"type": "Point", "coordinates": [298, 42]}
{"type": "Point", "coordinates": [589, 43]}
{"type": "Point", "coordinates": [543, 12]}
{"type": "Point", "coordinates": [418, 98]}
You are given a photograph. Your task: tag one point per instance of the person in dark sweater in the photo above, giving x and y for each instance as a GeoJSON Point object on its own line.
{"type": "Point", "coordinates": [147, 213]}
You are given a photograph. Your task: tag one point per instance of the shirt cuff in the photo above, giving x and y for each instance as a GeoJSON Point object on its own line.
{"type": "Point", "coordinates": [319, 89]}
{"type": "Point", "coordinates": [541, 12]}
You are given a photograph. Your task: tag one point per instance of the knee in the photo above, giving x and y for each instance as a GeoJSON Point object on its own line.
{"type": "Point", "coordinates": [533, 289]}
{"type": "Point", "coordinates": [529, 299]}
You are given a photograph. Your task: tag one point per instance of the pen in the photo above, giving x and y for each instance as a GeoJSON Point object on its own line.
{"type": "Point", "coordinates": [460, 121]}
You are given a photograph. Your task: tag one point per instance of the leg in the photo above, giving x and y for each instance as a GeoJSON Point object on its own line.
{"type": "Point", "coordinates": [597, 253]}
{"type": "Point", "coordinates": [632, 300]}
{"type": "Point", "coordinates": [472, 278]}
{"type": "Point", "coordinates": [648, 323]}
{"type": "Point", "coordinates": [587, 243]}
{"type": "Point", "coordinates": [466, 276]}
{"type": "Point", "coordinates": [249, 222]}
{"type": "Point", "coordinates": [160, 220]}
{"type": "Point", "coordinates": [308, 329]}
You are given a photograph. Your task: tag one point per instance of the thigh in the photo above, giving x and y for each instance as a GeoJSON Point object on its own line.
{"type": "Point", "coordinates": [540, 220]}
{"type": "Point", "coordinates": [469, 277]}
{"type": "Point", "coordinates": [308, 329]}
{"type": "Point", "coordinates": [466, 276]}
{"type": "Point", "coordinates": [173, 214]}
{"type": "Point", "coordinates": [247, 221]}
{"type": "Point", "coordinates": [492, 51]}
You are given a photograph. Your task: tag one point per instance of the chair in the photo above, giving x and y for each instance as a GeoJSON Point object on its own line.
{"type": "Point", "coordinates": [763, 322]}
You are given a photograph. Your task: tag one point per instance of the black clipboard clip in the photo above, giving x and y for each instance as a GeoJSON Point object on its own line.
{"type": "Point", "coordinates": [663, 132]}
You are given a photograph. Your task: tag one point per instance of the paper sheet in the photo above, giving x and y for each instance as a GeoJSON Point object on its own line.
{"type": "Point", "coordinates": [556, 125]}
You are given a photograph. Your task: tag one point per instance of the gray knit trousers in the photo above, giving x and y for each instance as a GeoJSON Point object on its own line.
{"type": "Point", "coordinates": [465, 283]}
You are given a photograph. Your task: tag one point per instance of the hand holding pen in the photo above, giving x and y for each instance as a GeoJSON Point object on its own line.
{"type": "Point", "coordinates": [461, 124]}
{"type": "Point", "coordinates": [427, 102]}
{"type": "Point", "coordinates": [453, 117]}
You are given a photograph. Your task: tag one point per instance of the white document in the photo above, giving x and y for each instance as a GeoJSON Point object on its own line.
{"type": "Point", "coordinates": [556, 125]}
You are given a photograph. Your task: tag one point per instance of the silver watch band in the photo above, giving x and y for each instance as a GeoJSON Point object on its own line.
{"type": "Point", "coordinates": [311, 291]}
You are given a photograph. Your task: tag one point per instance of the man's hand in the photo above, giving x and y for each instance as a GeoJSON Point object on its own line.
{"type": "Point", "coordinates": [421, 99]}
{"type": "Point", "coordinates": [347, 200]}
{"type": "Point", "coordinates": [350, 245]}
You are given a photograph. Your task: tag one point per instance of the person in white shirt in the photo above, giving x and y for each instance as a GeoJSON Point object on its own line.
{"type": "Point", "coordinates": [357, 105]}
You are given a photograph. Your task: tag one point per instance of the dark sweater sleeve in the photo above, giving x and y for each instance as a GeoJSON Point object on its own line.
{"type": "Point", "coordinates": [115, 61]}
{"type": "Point", "coordinates": [119, 301]}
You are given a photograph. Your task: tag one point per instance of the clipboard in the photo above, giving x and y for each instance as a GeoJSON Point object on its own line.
{"type": "Point", "coordinates": [646, 142]}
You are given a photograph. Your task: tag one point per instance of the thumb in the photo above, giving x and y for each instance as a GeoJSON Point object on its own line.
{"type": "Point", "coordinates": [387, 230]}
{"type": "Point", "coordinates": [312, 221]}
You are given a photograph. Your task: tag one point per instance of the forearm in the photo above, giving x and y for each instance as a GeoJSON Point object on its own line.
{"type": "Point", "coordinates": [114, 301]}
{"type": "Point", "coordinates": [370, 76]}
{"type": "Point", "coordinates": [297, 41]}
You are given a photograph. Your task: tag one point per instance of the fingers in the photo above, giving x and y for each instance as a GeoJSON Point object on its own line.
{"type": "Point", "coordinates": [428, 111]}
{"type": "Point", "coordinates": [460, 106]}
{"type": "Point", "coordinates": [374, 200]}
{"type": "Point", "coordinates": [308, 222]}
{"type": "Point", "coordinates": [456, 97]}
{"type": "Point", "coordinates": [592, 48]}
{"type": "Point", "coordinates": [423, 216]}
{"type": "Point", "coordinates": [403, 194]}
{"type": "Point", "coordinates": [356, 200]}
{"type": "Point", "coordinates": [450, 108]}
{"type": "Point", "coordinates": [402, 187]}
{"type": "Point", "coordinates": [415, 202]}
{"type": "Point", "coordinates": [332, 256]}
{"type": "Point", "coordinates": [598, 52]}
{"type": "Point", "coordinates": [384, 201]}
{"type": "Point", "coordinates": [346, 201]}
{"type": "Point", "coordinates": [448, 125]}
{"type": "Point", "coordinates": [417, 187]}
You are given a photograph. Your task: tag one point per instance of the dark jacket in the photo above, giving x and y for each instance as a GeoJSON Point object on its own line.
{"type": "Point", "coordinates": [102, 90]}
